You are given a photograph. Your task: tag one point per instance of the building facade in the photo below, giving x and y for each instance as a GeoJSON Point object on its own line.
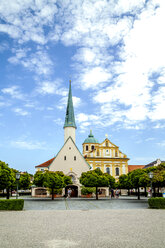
{"type": "Point", "coordinates": [106, 156]}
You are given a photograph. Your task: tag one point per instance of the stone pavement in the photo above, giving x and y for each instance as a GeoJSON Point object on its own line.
{"type": "Point", "coordinates": [104, 228]}
{"type": "Point", "coordinates": [85, 204]}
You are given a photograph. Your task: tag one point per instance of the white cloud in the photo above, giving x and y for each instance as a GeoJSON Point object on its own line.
{"type": "Point", "coordinates": [20, 111]}
{"type": "Point", "coordinates": [51, 87]}
{"type": "Point", "coordinates": [28, 145]}
{"type": "Point", "coordinates": [39, 62]}
{"type": "Point", "coordinates": [14, 91]}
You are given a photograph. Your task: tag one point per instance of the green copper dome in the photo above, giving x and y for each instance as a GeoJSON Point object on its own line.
{"type": "Point", "coordinates": [69, 118]}
{"type": "Point", "coordinates": [91, 138]}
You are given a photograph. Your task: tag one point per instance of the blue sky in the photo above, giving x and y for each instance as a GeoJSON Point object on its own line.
{"type": "Point", "coordinates": [113, 51]}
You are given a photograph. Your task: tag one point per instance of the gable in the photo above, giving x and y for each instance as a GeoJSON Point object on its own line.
{"type": "Point", "coordinates": [69, 159]}
{"type": "Point", "coordinates": [110, 144]}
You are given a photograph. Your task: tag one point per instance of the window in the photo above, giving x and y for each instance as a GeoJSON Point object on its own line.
{"type": "Point", "coordinates": [42, 169]}
{"type": "Point", "coordinates": [74, 157]}
{"type": "Point", "coordinates": [108, 170]}
{"type": "Point", "coordinates": [69, 148]}
{"type": "Point", "coordinates": [98, 168]}
{"type": "Point", "coordinates": [106, 143]}
{"type": "Point", "coordinates": [86, 148]}
{"type": "Point", "coordinates": [92, 147]}
{"type": "Point", "coordinates": [116, 155]}
{"type": "Point", "coordinates": [117, 171]}
{"type": "Point", "coordinates": [98, 154]}
{"type": "Point", "coordinates": [64, 157]}
{"type": "Point", "coordinates": [107, 151]}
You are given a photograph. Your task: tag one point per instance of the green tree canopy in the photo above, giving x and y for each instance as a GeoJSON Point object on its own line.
{"type": "Point", "coordinates": [7, 177]}
{"type": "Point", "coordinates": [51, 180]}
{"type": "Point", "coordinates": [24, 182]}
{"type": "Point", "coordinates": [94, 178]}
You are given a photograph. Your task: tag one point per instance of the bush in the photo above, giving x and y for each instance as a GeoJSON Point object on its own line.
{"type": "Point", "coordinates": [87, 190]}
{"type": "Point", "coordinates": [12, 204]}
{"type": "Point", "coordinates": [157, 202]}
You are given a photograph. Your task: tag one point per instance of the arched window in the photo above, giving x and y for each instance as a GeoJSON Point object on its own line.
{"type": "Point", "coordinates": [117, 171]}
{"type": "Point", "coordinates": [108, 170]}
{"type": "Point", "coordinates": [92, 148]}
{"type": "Point", "coordinates": [98, 153]}
{"type": "Point", "coordinates": [86, 148]}
{"type": "Point", "coordinates": [116, 154]}
{"type": "Point", "coordinates": [106, 143]}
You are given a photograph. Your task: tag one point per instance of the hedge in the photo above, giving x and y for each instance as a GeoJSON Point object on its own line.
{"type": "Point", "coordinates": [87, 190]}
{"type": "Point", "coordinates": [157, 202]}
{"type": "Point", "coordinates": [11, 204]}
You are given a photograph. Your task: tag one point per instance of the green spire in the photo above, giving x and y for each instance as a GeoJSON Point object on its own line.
{"type": "Point", "coordinates": [69, 118]}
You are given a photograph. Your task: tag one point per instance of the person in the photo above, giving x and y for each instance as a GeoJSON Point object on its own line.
{"type": "Point", "coordinates": [112, 193]}
{"type": "Point", "coordinates": [117, 193]}
{"type": "Point", "coordinates": [69, 192]}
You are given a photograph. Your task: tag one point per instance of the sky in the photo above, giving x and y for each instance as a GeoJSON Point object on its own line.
{"type": "Point", "coordinates": [114, 54]}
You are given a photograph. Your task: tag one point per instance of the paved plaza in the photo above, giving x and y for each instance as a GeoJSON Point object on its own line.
{"type": "Point", "coordinates": [83, 223]}
{"type": "Point", "coordinates": [85, 204]}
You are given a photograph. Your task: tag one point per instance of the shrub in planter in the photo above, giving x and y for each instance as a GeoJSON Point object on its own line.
{"type": "Point", "coordinates": [87, 190]}
{"type": "Point", "coordinates": [157, 202]}
{"type": "Point", "coordinates": [11, 204]}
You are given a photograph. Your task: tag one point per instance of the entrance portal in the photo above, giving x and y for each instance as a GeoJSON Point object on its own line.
{"type": "Point", "coordinates": [74, 190]}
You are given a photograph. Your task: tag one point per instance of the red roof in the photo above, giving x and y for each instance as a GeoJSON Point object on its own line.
{"type": "Point", "coordinates": [135, 167]}
{"type": "Point", "coordinates": [46, 164]}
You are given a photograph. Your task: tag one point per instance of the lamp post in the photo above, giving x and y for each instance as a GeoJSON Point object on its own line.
{"type": "Point", "coordinates": [17, 178]}
{"type": "Point", "coordinates": [150, 174]}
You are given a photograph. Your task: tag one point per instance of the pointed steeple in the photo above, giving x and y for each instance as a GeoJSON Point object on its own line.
{"type": "Point", "coordinates": [69, 118]}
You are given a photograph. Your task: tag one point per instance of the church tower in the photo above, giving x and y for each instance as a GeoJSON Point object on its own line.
{"type": "Point", "coordinates": [70, 125]}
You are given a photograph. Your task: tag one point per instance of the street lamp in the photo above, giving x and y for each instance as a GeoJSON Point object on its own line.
{"type": "Point", "coordinates": [17, 178]}
{"type": "Point", "coordinates": [151, 174]}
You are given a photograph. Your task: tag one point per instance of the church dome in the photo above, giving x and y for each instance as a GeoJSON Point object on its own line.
{"type": "Point", "coordinates": [91, 138]}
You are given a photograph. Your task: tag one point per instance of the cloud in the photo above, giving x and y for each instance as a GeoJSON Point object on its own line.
{"type": "Point", "coordinates": [51, 87]}
{"type": "Point", "coordinates": [20, 111]}
{"type": "Point", "coordinates": [14, 91]}
{"type": "Point", "coordinates": [28, 145]}
{"type": "Point", "coordinates": [39, 61]}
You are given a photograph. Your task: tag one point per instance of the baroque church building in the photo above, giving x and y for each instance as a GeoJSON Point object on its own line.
{"type": "Point", "coordinates": [71, 162]}
{"type": "Point", "coordinates": [106, 156]}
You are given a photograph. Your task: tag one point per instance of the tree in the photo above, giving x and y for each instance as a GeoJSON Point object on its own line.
{"type": "Point", "coordinates": [7, 177]}
{"type": "Point", "coordinates": [55, 180]}
{"type": "Point", "coordinates": [124, 182]}
{"type": "Point", "coordinates": [134, 179]}
{"type": "Point", "coordinates": [39, 179]}
{"type": "Point", "coordinates": [94, 178]}
{"type": "Point", "coordinates": [111, 180]}
{"type": "Point", "coordinates": [24, 182]}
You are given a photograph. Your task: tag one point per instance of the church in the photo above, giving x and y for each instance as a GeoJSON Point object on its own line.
{"type": "Point", "coordinates": [71, 162]}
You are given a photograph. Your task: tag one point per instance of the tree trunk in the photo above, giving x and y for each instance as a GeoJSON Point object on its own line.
{"type": "Point", "coordinates": [145, 192]}
{"type": "Point", "coordinates": [154, 192]}
{"type": "Point", "coordinates": [138, 194]}
{"type": "Point", "coordinates": [52, 194]}
{"type": "Point", "coordinates": [96, 193]}
{"type": "Point", "coordinates": [8, 194]}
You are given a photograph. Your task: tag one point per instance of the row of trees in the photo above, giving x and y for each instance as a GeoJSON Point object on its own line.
{"type": "Point", "coordinates": [95, 178]}
{"type": "Point", "coordinates": [51, 180]}
{"type": "Point", "coordinates": [8, 179]}
{"type": "Point", "coordinates": [139, 178]}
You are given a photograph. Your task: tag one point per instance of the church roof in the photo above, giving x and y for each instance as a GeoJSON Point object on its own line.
{"type": "Point", "coordinates": [91, 138]}
{"type": "Point", "coordinates": [69, 118]}
{"type": "Point", "coordinates": [46, 164]}
{"type": "Point", "coordinates": [135, 167]}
